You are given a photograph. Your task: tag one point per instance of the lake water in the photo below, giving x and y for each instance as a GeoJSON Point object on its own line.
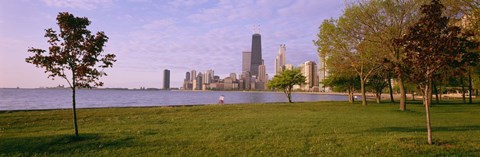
{"type": "Point", "coordinates": [32, 99]}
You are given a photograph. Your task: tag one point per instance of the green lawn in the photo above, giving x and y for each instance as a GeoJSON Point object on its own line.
{"type": "Point", "coordinates": [281, 129]}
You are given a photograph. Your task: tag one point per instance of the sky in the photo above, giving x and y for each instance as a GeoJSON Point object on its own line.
{"type": "Point", "coordinates": [149, 36]}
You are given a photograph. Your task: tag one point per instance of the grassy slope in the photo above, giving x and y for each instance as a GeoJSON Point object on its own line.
{"type": "Point", "coordinates": [300, 129]}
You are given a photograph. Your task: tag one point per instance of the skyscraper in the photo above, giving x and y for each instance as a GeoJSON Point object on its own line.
{"type": "Point", "coordinates": [256, 54]}
{"type": "Point", "coordinates": [262, 73]}
{"type": "Point", "coordinates": [193, 75]}
{"type": "Point", "coordinates": [208, 76]}
{"type": "Point", "coordinates": [187, 76]}
{"type": "Point", "coordinates": [186, 81]}
{"type": "Point", "coordinates": [197, 83]}
{"type": "Point", "coordinates": [309, 70]}
{"type": "Point", "coordinates": [246, 61]}
{"type": "Point", "coordinates": [280, 59]}
{"type": "Point", "coordinates": [166, 79]}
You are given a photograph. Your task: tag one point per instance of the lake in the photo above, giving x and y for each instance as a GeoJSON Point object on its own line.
{"type": "Point", "coordinates": [33, 99]}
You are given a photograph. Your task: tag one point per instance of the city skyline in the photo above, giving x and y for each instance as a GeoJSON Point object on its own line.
{"type": "Point", "coordinates": [149, 36]}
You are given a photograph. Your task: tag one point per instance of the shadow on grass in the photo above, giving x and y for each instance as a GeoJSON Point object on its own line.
{"type": "Point", "coordinates": [422, 129]}
{"type": "Point", "coordinates": [59, 144]}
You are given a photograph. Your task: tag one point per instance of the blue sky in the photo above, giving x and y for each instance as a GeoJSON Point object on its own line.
{"type": "Point", "coordinates": [151, 35]}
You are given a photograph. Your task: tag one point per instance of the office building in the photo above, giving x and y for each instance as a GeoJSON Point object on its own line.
{"type": "Point", "coordinates": [256, 56]}
{"type": "Point", "coordinates": [289, 66]}
{"type": "Point", "coordinates": [262, 73]}
{"type": "Point", "coordinates": [246, 77]}
{"type": "Point", "coordinates": [193, 75]}
{"type": "Point", "coordinates": [166, 79]}
{"type": "Point", "coordinates": [280, 60]}
{"type": "Point", "coordinates": [186, 82]}
{"type": "Point", "coordinates": [197, 83]}
{"type": "Point", "coordinates": [246, 61]}
{"type": "Point", "coordinates": [187, 76]}
{"type": "Point", "coordinates": [309, 70]}
{"type": "Point", "coordinates": [208, 76]}
{"type": "Point", "coordinates": [233, 76]}
{"type": "Point", "coordinates": [323, 74]}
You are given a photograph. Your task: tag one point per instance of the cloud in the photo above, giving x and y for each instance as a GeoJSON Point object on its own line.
{"type": "Point", "coordinates": [221, 32]}
{"type": "Point", "coordinates": [162, 23]}
{"type": "Point", "coordinates": [233, 11]}
{"type": "Point", "coordinates": [182, 35]}
{"type": "Point", "coordinates": [309, 8]}
{"type": "Point", "coordinates": [79, 4]}
{"type": "Point", "coordinates": [186, 3]}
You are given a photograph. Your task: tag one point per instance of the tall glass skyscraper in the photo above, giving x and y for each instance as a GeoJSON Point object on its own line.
{"type": "Point", "coordinates": [256, 54]}
{"type": "Point", "coordinates": [166, 79]}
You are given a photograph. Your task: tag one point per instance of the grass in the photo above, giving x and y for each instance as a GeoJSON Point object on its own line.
{"type": "Point", "coordinates": [280, 129]}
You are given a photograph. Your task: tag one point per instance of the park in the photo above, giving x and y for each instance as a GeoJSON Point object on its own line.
{"type": "Point", "coordinates": [426, 48]}
{"type": "Point", "coordinates": [277, 129]}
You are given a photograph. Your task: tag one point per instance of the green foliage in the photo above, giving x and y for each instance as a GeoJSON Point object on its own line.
{"type": "Point", "coordinates": [285, 81]}
{"type": "Point", "coordinates": [280, 129]}
{"type": "Point", "coordinates": [431, 44]}
{"type": "Point", "coordinates": [343, 84]}
{"type": "Point", "coordinates": [377, 82]}
{"type": "Point", "coordinates": [74, 50]}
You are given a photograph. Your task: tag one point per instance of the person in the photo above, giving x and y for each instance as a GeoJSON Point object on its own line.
{"type": "Point", "coordinates": [221, 100]}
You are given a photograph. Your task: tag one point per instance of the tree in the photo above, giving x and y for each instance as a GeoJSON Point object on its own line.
{"type": "Point", "coordinates": [389, 20]}
{"type": "Point", "coordinates": [343, 83]}
{"type": "Point", "coordinates": [346, 47]}
{"type": "Point", "coordinates": [377, 83]}
{"type": "Point", "coordinates": [73, 55]}
{"type": "Point", "coordinates": [285, 81]}
{"type": "Point", "coordinates": [366, 31]}
{"type": "Point", "coordinates": [431, 44]}
{"type": "Point", "coordinates": [341, 76]}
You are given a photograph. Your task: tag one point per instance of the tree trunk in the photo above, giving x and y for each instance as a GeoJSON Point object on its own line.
{"type": "Point", "coordinates": [74, 110]}
{"type": "Point", "coordinates": [403, 105]}
{"type": "Point", "coordinates": [436, 92]}
{"type": "Point", "coordinates": [463, 91]}
{"type": "Point", "coordinates": [426, 97]}
{"type": "Point", "coordinates": [470, 88]}
{"type": "Point", "coordinates": [379, 96]}
{"type": "Point", "coordinates": [288, 93]}
{"type": "Point", "coordinates": [350, 97]}
{"type": "Point", "coordinates": [364, 97]}
{"type": "Point", "coordinates": [353, 95]}
{"type": "Point", "coordinates": [391, 90]}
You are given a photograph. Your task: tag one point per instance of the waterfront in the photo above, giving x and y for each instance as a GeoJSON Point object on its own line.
{"type": "Point", "coordinates": [34, 99]}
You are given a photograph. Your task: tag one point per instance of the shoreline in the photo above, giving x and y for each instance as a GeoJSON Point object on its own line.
{"type": "Point", "coordinates": [166, 106]}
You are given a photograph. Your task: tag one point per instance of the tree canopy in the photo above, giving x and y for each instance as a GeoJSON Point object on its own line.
{"type": "Point", "coordinates": [285, 81]}
{"type": "Point", "coordinates": [74, 55]}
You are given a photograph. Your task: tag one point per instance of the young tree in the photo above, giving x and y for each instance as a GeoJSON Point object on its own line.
{"type": "Point", "coordinates": [431, 44]}
{"type": "Point", "coordinates": [377, 83]}
{"type": "Point", "coordinates": [342, 83]}
{"type": "Point", "coordinates": [285, 81]}
{"type": "Point", "coordinates": [73, 55]}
